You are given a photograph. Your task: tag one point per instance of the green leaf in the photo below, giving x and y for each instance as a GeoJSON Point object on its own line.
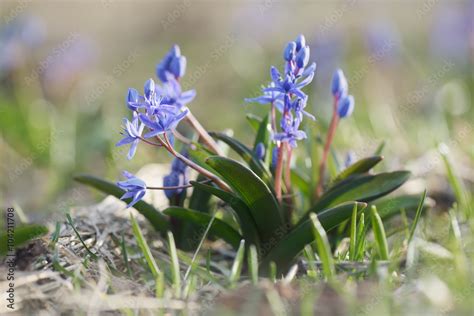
{"type": "Point", "coordinates": [364, 188]}
{"type": "Point", "coordinates": [302, 182]}
{"type": "Point", "coordinates": [360, 166]}
{"type": "Point", "coordinates": [254, 121]}
{"type": "Point", "coordinates": [156, 219]}
{"type": "Point", "coordinates": [21, 235]}
{"type": "Point", "coordinates": [294, 242]}
{"type": "Point", "coordinates": [247, 155]}
{"type": "Point", "coordinates": [322, 245]}
{"type": "Point", "coordinates": [242, 212]}
{"type": "Point", "coordinates": [219, 228]}
{"type": "Point", "coordinates": [255, 194]}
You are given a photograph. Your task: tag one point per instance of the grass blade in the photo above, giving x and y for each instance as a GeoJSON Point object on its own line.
{"type": "Point", "coordinates": [237, 265]}
{"type": "Point", "coordinates": [323, 247]}
{"type": "Point", "coordinates": [175, 273]}
{"type": "Point", "coordinates": [353, 234]}
{"type": "Point", "coordinates": [69, 220]}
{"type": "Point", "coordinates": [137, 232]}
{"type": "Point", "coordinates": [253, 264]}
{"type": "Point", "coordinates": [417, 216]}
{"type": "Point", "coordinates": [379, 233]}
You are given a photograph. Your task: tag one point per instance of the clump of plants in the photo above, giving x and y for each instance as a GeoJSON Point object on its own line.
{"type": "Point", "coordinates": [279, 196]}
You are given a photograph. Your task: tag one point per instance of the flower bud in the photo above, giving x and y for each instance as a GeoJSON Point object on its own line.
{"type": "Point", "coordinates": [290, 51]}
{"type": "Point", "coordinates": [345, 106]}
{"type": "Point", "coordinates": [302, 57]}
{"type": "Point", "coordinates": [178, 66]}
{"type": "Point", "coordinates": [149, 88]}
{"type": "Point", "coordinates": [300, 42]}
{"type": "Point", "coordinates": [339, 84]}
{"type": "Point", "coordinates": [260, 151]}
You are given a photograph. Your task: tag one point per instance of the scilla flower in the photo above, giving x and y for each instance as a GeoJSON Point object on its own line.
{"type": "Point", "coordinates": [134, 188]}
{"type": "Point", "coordinates": [132, 132]}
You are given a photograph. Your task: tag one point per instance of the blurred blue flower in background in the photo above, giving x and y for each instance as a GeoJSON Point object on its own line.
{"type": "Point", "coordinates": [452, 33]}
{"type": "Point", "coordinates": [177, 177]}
{"type": "Point", "coordinates": [17, 40]}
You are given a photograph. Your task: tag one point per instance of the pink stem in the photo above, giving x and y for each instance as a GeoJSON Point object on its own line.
{"type": "Point", "coordinates": [193, 165]}
{"type": "Point", "coordinates": [327, 146]}
{"type": "Point", "coordinates": [278, 172]}
{"type": "Point", "coordinates": [203, 134]}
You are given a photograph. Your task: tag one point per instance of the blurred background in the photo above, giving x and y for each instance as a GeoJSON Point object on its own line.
{"type": "Point", "coordinates": [65, 68]}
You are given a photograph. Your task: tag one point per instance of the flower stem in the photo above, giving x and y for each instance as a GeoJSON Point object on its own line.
{"type": "Point", "coordinates": [327, 146]}
{"type": "Point", "coordinates": [203, 134]}
{"type": "Point", "coordinates": [288, 168]}
{"type": "Point", "coordinates": [193, 165]}
{"type": "Point", "coordinates": [278, 172]}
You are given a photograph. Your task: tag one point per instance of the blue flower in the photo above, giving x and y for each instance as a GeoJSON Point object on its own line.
{"type": "Point", "coordinates": [164, 119]}
{"type": "Point", "coordinates": [290, 132]}
{"type": "Point", "coordinates": [134, 188]}
{"type": "Point", "coordinates": [339, 84]}
{"type": "Point", "coordinates": [345, 106]}
{"type": "Point", "coordinates": [268, 97]}
{"type": "Point", "coordinates": [132, 133]}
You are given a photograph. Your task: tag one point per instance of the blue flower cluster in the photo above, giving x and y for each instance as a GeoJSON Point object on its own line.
{"type": "Point", "coordinates": [161, 107]}
{"type": "Point", "coordinates": [177, 177]}
{"type": "Point", "coordinates": [339, 89]}
{"type": "Point", "coordinates": [284, 92]}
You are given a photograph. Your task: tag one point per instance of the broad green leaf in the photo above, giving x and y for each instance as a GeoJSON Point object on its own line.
{"type": "Point", "coordinates": [21, 235]}
{"type": "Point", "coordinates": [364, 188]}
{"type": "Point", "coordinates": [242, 212]}
{"type": "Point", "coordinates": [254, 121]}
{"type": "Point", "coordinates": [263, 134]}
{"type": "Point", "coordinates": [155, 217]}
{"type": "Point", "coordinates": [247, 155]}
{"type": "Point", "coordinates": [302, 182]}
{"type": "Point", "coordinates": [219, 228]}
{"type": "Point", "coordinates": [199, 200]}
{"type": "Point", "coordinates": [294, 242]}
{"type": "Point", "coordinates": [256, 195]}
{"type": "Point", "coordinates": [360, 166]}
